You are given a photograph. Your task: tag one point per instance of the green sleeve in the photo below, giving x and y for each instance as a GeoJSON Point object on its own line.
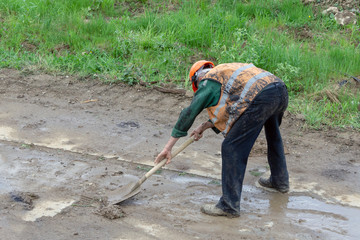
{"type": "Point", "coordinates": [207, 95]}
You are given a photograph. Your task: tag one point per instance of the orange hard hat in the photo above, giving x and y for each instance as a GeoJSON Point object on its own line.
{"type": "Point", "coordinates": [196, 67]}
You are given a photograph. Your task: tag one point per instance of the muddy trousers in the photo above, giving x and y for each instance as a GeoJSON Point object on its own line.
{"type": "Point", "coordinates": [267, 109]}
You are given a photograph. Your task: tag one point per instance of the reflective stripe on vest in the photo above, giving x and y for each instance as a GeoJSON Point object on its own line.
{"type": "Point", "coordinates": [243, 94]}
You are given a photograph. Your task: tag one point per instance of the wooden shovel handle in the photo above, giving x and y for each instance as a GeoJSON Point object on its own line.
{"type": "Point", "coordinates": [162, 163]}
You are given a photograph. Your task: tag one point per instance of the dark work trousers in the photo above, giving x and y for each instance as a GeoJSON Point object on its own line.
{"type": "Point", "coordinates": [267, 109]}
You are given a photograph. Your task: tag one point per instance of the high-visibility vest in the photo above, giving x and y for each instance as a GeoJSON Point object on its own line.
{"type": "Point", "coordinates": [241, 82]}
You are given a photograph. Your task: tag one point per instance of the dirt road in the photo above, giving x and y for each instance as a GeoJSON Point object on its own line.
{"type": "Point", "coordinates": [65, 144]}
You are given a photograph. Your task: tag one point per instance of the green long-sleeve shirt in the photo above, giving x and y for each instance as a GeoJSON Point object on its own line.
{"type": "Point", "coordinates": [207, 95]}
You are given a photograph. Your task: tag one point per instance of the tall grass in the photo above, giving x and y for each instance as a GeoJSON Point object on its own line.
{"type": "Point", "coordinates": [153, 40]}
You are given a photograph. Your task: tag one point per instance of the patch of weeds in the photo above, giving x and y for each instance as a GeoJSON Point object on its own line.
{"type": "Point", "coordinates": [124, 45]}
{"type": "Point", "coordinates": [146, 169]}
{"type": "Point", "coordinates": [101, 6]}
{"type": "Point", "coordinates": [131, 74]}
{"type": "Point", "coordinates": [101, 158]}
{"type": "Point", "coordinates": [186, 174]}
{"type": "Point", "coordinates": [215, 182]}
{"type": "Point", "coordinates": [256, 173]}
{"type": "Point", "coordinates": [244, 48]}
{"type": "Point", "coordinates": [289, 74]}
{"type": "Point", "coordinates": [331, 108]}
{"type": "Point", "coordinates": [27, 146]}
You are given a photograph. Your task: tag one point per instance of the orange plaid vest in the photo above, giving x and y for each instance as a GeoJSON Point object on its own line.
{"type": "Point", "coordinates": [241, 82]}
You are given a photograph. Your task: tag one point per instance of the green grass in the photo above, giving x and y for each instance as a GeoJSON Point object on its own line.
{"type": "Point", "coordinates": [153, 40]}
{"type": "Point", "coordinates": [147, 169]}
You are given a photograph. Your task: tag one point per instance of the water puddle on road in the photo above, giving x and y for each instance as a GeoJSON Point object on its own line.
{"type": "Point", "coordinates": [4, 184]}
{"type": "Point", "coordinates": [336, 220]}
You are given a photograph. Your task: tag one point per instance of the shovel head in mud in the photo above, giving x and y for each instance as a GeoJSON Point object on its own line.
{"type": "Point", "coordinates": [123, 193]}
{"type": "Point", "coordinates": [132, 189]}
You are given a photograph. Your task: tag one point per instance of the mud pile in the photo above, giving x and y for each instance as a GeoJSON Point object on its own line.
{"type": "Point", "coordinates": [111, 212]}
{"type": "Point", "coordinates": [25, 198]}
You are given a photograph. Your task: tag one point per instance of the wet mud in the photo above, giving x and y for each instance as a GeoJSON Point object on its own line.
{"type": "Point", "coordinates": [111, 212]}
{"type": "Point", "coordinates": [61, 155]}
{"type": "Point", "coordinates": [25, 198]}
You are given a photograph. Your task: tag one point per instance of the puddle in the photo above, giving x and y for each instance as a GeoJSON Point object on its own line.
{"type": "Point", "coordinates": [59, 142]}
{"type": "Point", "coordinates": [336, 220]}
{"type": "Point", "coordinates": [189, 180]}
{"type": "Point", "coordinates": [26, 198]}
{"type": "Point", "coordinates": [46, 209]}
{"type": "Point", "coordinates": [5, 186]}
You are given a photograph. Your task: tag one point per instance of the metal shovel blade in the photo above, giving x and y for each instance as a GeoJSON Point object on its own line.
{"type": "Point", "coordinates": [132, 189]}
{"type": "Point", "coordinates": [123, 193]}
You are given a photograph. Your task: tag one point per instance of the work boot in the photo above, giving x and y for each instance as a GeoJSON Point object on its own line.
{"type": "Point", "coordinates": [211, 209]}
{"type": "Point", "coordinates": [266, 182]}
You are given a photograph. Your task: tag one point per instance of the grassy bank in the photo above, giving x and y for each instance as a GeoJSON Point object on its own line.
{"type": "Point", "coordinates": [153, 40]}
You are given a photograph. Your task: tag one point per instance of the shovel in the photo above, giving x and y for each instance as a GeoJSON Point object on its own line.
{"type": "Point", "coordinates": [133, 188]}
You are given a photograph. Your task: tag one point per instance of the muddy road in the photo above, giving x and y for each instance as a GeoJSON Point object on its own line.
{"type": "Point", "coordinates": [66, 144]}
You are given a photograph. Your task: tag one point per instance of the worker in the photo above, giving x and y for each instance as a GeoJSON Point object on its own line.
{"type": "Point", "coordinates": [240, 99]}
